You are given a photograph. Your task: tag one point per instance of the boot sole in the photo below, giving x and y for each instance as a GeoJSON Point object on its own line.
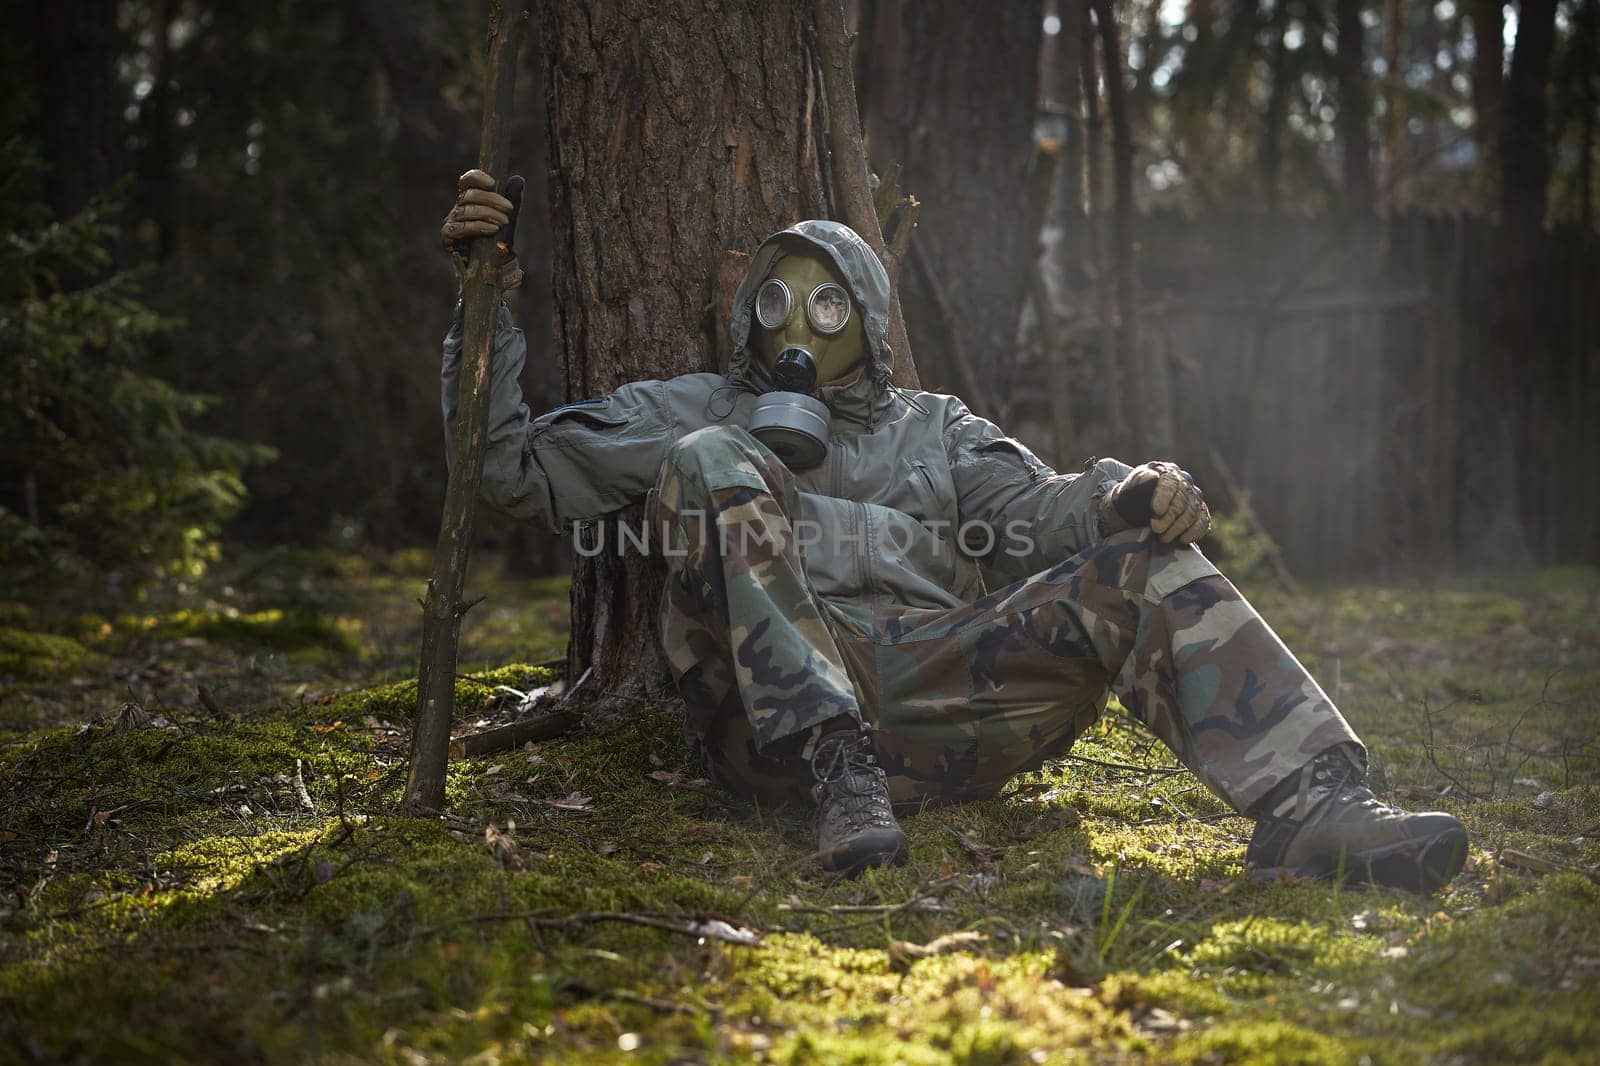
{"type": "Point", "coordinates": [1422, 866]}
{"type": "Point", "coordinates": [876, 849]}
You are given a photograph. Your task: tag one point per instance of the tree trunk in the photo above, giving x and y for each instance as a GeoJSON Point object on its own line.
{"type": "Point", "coordinates": [79, 101]}
{"type": "Point", "coordinates": [1095, 211]}
{"type": "Point", "coordinates": [1068, 92]}
{"type": "Point", "coordinates": [156, 191]}
{"type": "Point", "coordinates": [1269, 158]}
{"type": "Point", "coordinates": [962, 128]}
{"type": "Point", "coordinates": [1355, 107]}
{"type": "Point", "coordinates": [1063, 57]}
{"type": "Point", "coordinates": [678, 133]}
{"type": "Point", "coordinates": [1524, 149]}
{"type": "Point", "coordinates": [1394, 142]}
{"type": "Point", "coordinates": [1497, 451]}
{"type": "Point", "coordinates": [1488, 79]}
{"type": "Point", "coordinates": [1136, 415]}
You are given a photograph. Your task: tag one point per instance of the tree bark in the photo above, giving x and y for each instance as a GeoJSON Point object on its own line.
{"type": "Point", "coordinates": [679, 134]}
{"type": "Point", "coordinates": [1355, 107]}
{"type": "Point", "coordinates": [962, 128]}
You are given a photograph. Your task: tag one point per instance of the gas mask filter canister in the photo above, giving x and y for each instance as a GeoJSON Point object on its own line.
{"type": "Point", "coordinates": [790, 421]}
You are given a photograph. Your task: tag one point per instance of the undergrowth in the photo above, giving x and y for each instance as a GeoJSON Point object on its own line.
{"type": "Point", "coordinates": [230, 883]}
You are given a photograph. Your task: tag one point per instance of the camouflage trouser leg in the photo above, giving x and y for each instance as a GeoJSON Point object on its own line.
{"type": "Point", "coordinates": [961, 699]}
{"type": "Point", "coordinates": [966, 698]}
{"type": "Point", "coordinates": [744, 635]}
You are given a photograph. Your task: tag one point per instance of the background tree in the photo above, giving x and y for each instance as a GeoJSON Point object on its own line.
{"type": "Point", "coordinates": [941, 83]}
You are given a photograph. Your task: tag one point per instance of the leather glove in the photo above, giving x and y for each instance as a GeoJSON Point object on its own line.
{"type": "Point", "coordinates": [479, 211]}
{"type": "Point", "coordinates": [1162, 496]}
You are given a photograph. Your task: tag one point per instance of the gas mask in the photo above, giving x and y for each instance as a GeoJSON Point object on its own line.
{"type": "Point", "coordinates": [807, 334]}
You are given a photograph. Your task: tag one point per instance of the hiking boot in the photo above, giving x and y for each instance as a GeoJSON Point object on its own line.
{"type": "Point", "coordinates": [1323, 822]}
{"type": "Point", "coordinates": [855, 823]}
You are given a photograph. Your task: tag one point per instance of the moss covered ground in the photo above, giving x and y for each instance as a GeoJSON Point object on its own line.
{"type": "Point", "coordinates": [199, 860]}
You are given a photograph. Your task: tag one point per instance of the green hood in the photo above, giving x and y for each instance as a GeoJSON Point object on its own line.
{"type": "Point", "coordinates": [868, 282]}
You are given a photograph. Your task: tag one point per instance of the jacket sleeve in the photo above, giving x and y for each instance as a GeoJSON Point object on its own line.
{"type": "Point", "coordinates": [1038, 517]}
{"type": "Point", "coordinates": [575, 463]}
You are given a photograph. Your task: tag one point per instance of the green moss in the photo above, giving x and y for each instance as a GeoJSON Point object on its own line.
{"type": "Point", "coordinates": [398, 702]}
{"type": "Point", "coordinates": [275, 629]}
{"type": "Point", "coordinates": [1261, 1042]}
{"type": "Point", "coordinates": [195, 909]}
{"type": "Point", "coordinates": [33, 656]}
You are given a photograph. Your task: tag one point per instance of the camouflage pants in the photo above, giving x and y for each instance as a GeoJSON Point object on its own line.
{"type": "Point", "coordinates": [958, 700]}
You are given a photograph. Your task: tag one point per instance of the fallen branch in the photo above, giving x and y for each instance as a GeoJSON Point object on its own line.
{"type": "Point", "coordinates": [928, 904]}
{"type": "Point", "coordinates": [848, 165]}
{"type": "Point", "coordinates": [1427, 721]}
{"type": "Point", "coordinates": [699, 928]}
{"type": "Point", "coordinates": [446, 599]}
{"type": "Point", "coordinates": [1522, 860]}
{"type": "Point", "coordinates": [514, 734]}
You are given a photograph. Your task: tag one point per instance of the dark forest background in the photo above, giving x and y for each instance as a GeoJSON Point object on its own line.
{"type": "Point", "coordinates": [1339, 258]}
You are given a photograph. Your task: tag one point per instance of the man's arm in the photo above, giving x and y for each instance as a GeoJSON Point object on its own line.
{"type": "Point", "coordinates": [571, 464]}
{"type": "Point", "coordinates": [577, 462]}
{"type": "Point", "coordinates": [1039, 517]}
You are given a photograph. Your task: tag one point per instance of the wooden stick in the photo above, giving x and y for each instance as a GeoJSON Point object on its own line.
{"type": "Point", "coordinates": [1526, 861]}
{"type": "Point", "coordinates": [513, 734]}
{"type": "Point", "coordinates": [446, 600]}
{"type": "Point", "coordinates": [852, 190]}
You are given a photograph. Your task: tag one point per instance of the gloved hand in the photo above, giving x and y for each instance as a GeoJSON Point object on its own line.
{"type": "Point", "coordinates": [1162, 496]}
{"type": "Point", "coordinates": [479, 211]}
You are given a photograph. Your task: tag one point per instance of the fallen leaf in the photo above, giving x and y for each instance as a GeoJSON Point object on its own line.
{"type": "Point", "coordinates": [717, 929]}
{"type": "Point", "coordinates": [677, 779]}
{"type": "Point", "coordinates": [572, 801]}
{"type": "Point", "coordinates": [1057, 818]}
{"type": "Point", "coordinates": [1157, 1020]}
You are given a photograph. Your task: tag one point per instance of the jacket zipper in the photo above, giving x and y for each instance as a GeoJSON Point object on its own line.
{"type": "Point", "coordinates": [864, 556]}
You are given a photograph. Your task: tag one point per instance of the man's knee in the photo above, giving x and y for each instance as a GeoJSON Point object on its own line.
{"type": "Point", "coordinates": [722, 457]}
{"type": "Point", "coordinates": [1147, 564]}
{"type": "Point", "coordinates": [712, 446]}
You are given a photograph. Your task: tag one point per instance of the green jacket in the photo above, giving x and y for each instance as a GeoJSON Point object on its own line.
{"type": "Point", "coordinates": [907, 474]}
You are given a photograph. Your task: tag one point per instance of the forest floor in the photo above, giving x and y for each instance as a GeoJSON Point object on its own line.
{"type": "Point", "coordinates": [199, 860]}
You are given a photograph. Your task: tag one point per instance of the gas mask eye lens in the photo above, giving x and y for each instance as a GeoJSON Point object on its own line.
{"type": "Point", "coordinates": [828, 308]}
{"type": "Point", "coordinates": [773, 303]}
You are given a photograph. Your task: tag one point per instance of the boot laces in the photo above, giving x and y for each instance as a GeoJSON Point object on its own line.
{"type": "Point", "coordinates": [850, 783]}
{"type": "Point", "coordinates": [1330, 783]}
